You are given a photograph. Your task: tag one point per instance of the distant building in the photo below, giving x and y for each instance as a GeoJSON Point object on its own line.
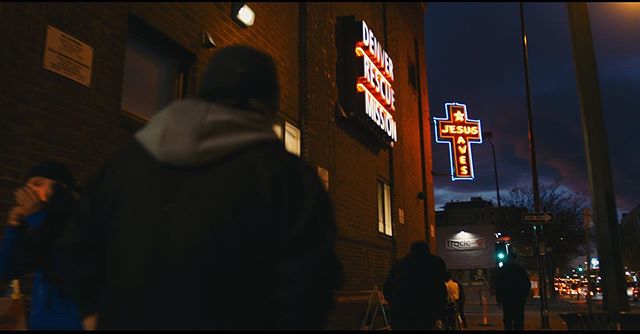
{"type": "Point", "coordinates": [478, 211]}
{"type": "Point", "coordinates": [629, 236]}
{"type": "Point", "coordinates": [467, 233]}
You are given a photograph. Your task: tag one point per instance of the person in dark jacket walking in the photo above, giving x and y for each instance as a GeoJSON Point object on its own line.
{"type": "Point", "coordinates": [512, 289]}
{"type": "Point", "coordinates": [205, 221]}
{"type": "Point", "coordinates": [415, 289]}
{"type": "Point", "coordinates": [43, 206]}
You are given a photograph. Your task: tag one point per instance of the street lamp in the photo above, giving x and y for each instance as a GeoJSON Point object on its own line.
{"type": "Point", "coordinates": [488, 135]}
{"type": "Point", "coordinates": [544, 308]}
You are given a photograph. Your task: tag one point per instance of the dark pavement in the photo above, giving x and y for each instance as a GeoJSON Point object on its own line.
{"type": "Point", "coordinates": [532, 314]}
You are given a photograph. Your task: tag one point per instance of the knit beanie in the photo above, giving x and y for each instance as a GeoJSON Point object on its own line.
{"type": "Point", "coordinates": [419, 247]}
{"type": "Point", "coordinates": [53, 170]}
{"type": "Point", "coordinates": [240, 73]}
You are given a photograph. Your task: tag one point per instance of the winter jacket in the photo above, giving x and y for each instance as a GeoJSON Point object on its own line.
{"type": "Point", "coordinates": [416, 291]}
{"type": "Point", "coordinates": [204, 221]}
{"type": "Point", "coordinates": [512, 284]}
{"type": "Point", "coordinates": [29, 248]}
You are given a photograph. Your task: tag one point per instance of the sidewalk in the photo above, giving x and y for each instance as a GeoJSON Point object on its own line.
{"type": "Point", "coordinates": [494, 318]}
{"type": "Point", "coordinates": [532, 318]}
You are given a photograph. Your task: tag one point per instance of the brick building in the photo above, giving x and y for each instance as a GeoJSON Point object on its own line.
{"type": "Point", "coordinates": [143, 55]}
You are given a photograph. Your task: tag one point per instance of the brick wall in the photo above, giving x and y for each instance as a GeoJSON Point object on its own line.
{"type": "Point", "coordinates": [46, 116]}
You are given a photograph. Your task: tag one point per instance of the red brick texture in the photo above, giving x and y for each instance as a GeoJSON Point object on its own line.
{"type": "Point", "coordinates": [46, 116]}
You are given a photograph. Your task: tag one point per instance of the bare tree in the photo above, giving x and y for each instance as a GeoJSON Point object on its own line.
{"type": "Point", "coordinates": [565, 235]}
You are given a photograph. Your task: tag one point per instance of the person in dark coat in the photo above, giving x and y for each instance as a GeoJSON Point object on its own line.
{"type": "Point", "coordinates": [205, 221]}
{"type": "Point", "coordinates": [415, 289]}
{"type": "Point", "coordinates": [43, 207]}
{"type": "Point", "coordinates": [512, 289]}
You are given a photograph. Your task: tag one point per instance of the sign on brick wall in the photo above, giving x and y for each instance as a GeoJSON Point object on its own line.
{"type": "Point", "coordinates": [365, 79]}
{"type": "Point", "coordinates": [467, 247]}
{"type": "Point", "coordinates": [68, 56]}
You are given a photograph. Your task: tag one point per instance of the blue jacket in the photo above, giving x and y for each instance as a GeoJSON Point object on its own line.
{"type": "Point", "coordinates": [50, 308]}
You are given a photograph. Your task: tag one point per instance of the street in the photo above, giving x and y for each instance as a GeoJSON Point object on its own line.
{"type": "Point", "coordinates": [532, 314]}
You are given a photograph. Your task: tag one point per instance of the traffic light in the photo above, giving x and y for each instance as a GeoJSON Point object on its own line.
{"type": "Point", "coordinates": [501, 253]}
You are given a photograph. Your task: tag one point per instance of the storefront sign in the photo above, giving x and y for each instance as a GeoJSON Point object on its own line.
{"type": "Point", "coordinates": [459, 132]}
{"type": "Point", "coordinates": [67, 56]}
{"type": "Point", "coordinates": [467, 247]}
{"type": "Point", "coordinates": [464, 244]}
{"type": "Point", "coordinates": [375, 82]}
{"type": "Point", "coordinates": [365, 76]}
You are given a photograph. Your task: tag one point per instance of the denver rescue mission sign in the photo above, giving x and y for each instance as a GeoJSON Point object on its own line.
{"type": "Point", "coordinates": [365, 79]}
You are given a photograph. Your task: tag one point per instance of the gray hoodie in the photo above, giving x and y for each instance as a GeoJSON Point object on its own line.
{"type": "Point", "coordinates": [192, 132]}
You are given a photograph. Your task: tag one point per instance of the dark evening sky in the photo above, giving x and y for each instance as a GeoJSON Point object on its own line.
{"type": "Point", "coordinates": [474, 56]}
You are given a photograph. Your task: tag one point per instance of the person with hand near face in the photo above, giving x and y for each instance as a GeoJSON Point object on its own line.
{"type": "Point", "coordinates": [43, 205]}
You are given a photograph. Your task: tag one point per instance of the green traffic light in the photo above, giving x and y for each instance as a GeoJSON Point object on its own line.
{"type": "Point", "coordinates": [500, 256]}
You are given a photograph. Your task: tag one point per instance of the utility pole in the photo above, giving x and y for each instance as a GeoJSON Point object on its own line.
{"type": "Point", "coordinates": [488, 135]}
{"type": "Point", "coordinates": [539, 244]}
{"type": "Point", "coordinates": [599, 167]}
{"type": "Point", "coordinates": [587, 214]}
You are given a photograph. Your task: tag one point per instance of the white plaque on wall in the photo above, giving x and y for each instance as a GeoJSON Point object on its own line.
{"type": "Point", "coordinates": [67, 56]}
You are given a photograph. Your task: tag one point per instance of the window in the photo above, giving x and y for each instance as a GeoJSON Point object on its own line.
{"type": "Point", "coordinates": [384, 208]}
{"type": "Point", "coordinates": [290, 136]}
{"type": "Point", "coordinates": [155, 71]}
{"type": "Point", "coordinates": [413, 74]}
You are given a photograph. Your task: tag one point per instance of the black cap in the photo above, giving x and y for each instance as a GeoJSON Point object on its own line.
{"type": "Point", "coordinates": [240, 73]}
{"type": "Point", "coordinates": [53, 170]}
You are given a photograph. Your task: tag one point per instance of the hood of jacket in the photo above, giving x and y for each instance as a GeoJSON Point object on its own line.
{"type": "Point", "coordinates": [193, 132]}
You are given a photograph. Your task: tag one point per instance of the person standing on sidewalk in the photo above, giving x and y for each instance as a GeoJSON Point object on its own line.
{"type": "Point", "coordinates": [205, 221]}
{"type": "Point", "coordinates": [456, 295]}
{"type": "Point", "coordinates": [512, 289]}
{"type": "Point", "coordinates": [43, 207]}
{"type": "Point", "coordinates": [415, 289]}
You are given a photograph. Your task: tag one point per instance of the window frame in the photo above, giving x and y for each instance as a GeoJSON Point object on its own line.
{"type": "Point", "coordinates": [280, 128]}
{"type": "Point", "coordinates": [156, 39]}
{"type": "Point", "coordinates": [384, 212]}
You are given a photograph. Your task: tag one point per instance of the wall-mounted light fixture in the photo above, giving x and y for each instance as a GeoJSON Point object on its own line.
{"type": "Point", "coordinates": [242, 14]}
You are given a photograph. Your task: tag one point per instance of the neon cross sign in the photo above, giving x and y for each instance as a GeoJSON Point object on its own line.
{"type": "Point", "coordinates": [459, 132]}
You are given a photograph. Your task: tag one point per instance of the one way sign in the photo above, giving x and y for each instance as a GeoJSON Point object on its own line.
{"type": "Point", "coordinates": [536, 217]}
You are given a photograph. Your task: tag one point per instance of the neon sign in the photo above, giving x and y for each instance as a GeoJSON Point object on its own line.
{"type": "Point", "coordinates": [375, 82]}
{"type": "Point", "coordinates": [459, 132]}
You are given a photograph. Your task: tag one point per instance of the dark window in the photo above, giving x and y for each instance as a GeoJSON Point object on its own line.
{"type": "Point", "coordinates": [413, 74]}
{"type": "Point", "coordinates": [155, 71]}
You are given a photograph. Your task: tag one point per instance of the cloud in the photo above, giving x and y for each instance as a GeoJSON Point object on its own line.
{"type": "Point", "coordinates": [478, 61]}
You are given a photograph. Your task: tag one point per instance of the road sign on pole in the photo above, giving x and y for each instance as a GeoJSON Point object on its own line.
{"type": "Point", "coordinates": [537, 217]}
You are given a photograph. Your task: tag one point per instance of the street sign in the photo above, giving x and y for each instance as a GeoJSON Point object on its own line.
{"type": "Point", "coordinates": [536, 217]}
